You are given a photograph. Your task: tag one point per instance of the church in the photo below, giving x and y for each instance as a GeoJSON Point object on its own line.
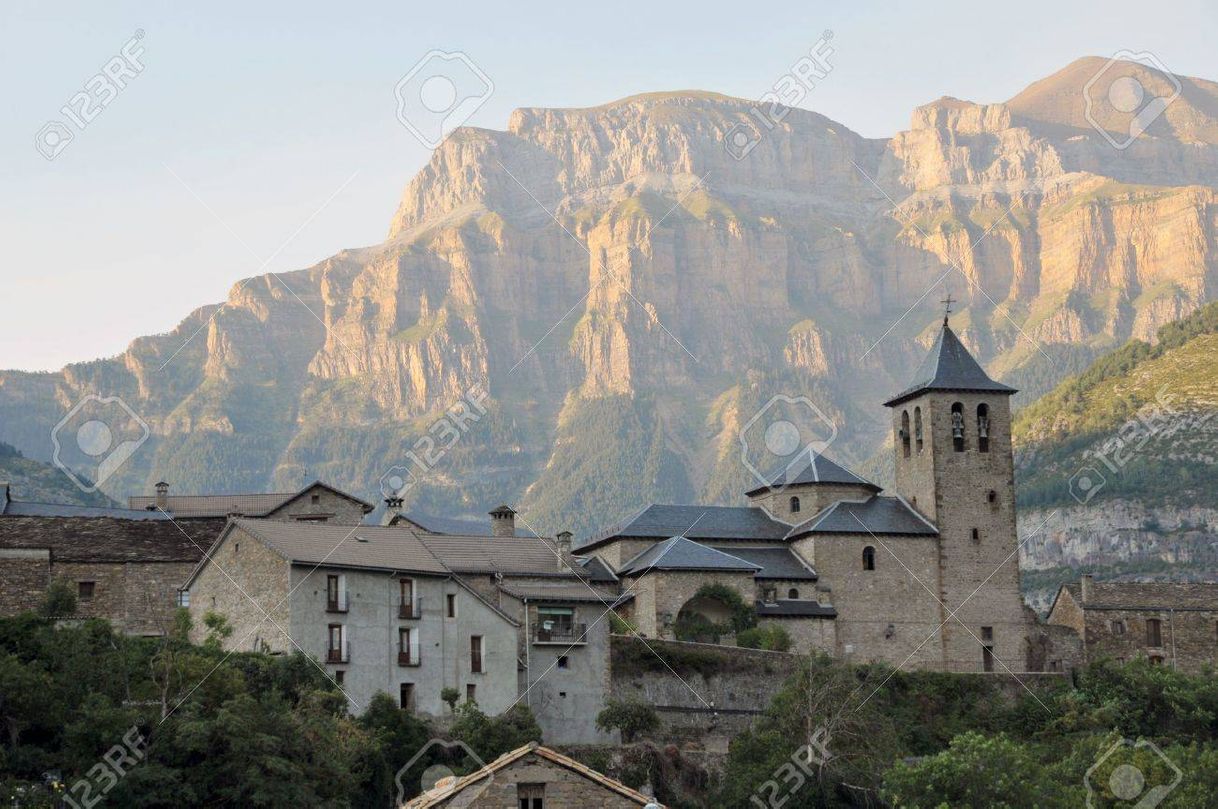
{"type": "Point", "coordinates": [923, 576]}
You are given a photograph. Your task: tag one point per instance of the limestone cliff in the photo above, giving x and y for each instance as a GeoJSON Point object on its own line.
{"type": "Point", "coordinates": [615, 268]}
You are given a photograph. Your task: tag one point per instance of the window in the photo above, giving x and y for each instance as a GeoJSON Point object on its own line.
{"type": "Point", "coordinates": [564, 662]}
{"type": "Point", "coordinates": [905, 433]}
{"type": "Point", "coordinates": [408, 647]}
{"type": "Point", "coordinates": [792, 593]}
{"type": "Point", "coordinates": [1118, 627]}
{"type": "Point", "coordinates": [987, 633]}
{"type": "Point", "coordinates": [407, 607]}
{"type": "Point", "coordinates": [336, 649]}
{"type": "Point", "coordinates": [769, 595]}
{"type": "Point", "coordinates": [339, 676]}
{"type": "Point", "coordinates": [336, 593]}
{"type": "Point", "coordinates": [918, 428]}
{"type": "Point", "coordinates": [976, 535]}
{"type": "Point", "coordinates": [794, 505]}
{"type": "Point", "coordinates": [236, 548]}
{"type": "Point", "coordinates": [992, 497]}
{"type": "Point", "coordinates": [315, 499]}
{"type": "Point", "coordinates": [183, 598]}
{"type": "Point", "coordinates": [470, 692]}
{"type": "Point", "coordinates": [958, 427]}
{"type": "Point", "coordinates": [531, 796]}
{"type": "Point", "coordinates": [475, 654]}
{"type": "Point", "coordinates": [983, 428]}
{"type": "Point", "coordinates": [406, 696]}
{"type": "Point", "coordinates": [1154, 635]}
{"type": "Point", "coordinates": [869, 558]}
{"type": "Point", "coordinates": [451, 602]}
{"type": "Point", "coordinates": [987, 658]}
{"type": "Point", "coordinates": [556, 619]}
{"type": "Point", "coordinates": [85, 589]}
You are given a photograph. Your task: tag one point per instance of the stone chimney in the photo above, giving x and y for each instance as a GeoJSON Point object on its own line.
{"type": "Point", "coordinates": [503, 521]}
{"type": "Point", "coordinates": [1085, 587]}
{"type": "Point", "coordinates": [393, 508]}
{"type": "Point", "coordinates": [562, 544]}
{"type": "Point", "coordinates": [162, 496]}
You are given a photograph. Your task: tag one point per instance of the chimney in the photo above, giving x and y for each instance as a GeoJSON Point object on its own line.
{"type": "Point", "coordinates": [393, 508]}
{"type": "Point", "coordinates": [503, 522]}
{"type": "Point", "coordinates": [1085, 589]}
{"type": "Point", "coordinates": [562, 542]}
{"type": "Point", "coordinates": [162, 496]}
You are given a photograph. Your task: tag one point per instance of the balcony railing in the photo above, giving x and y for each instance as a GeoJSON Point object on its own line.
{"type": "Point", "coordinates": [338, 604]}
{"type": "Point", "coordinates": [410, 609]}
{"type": "Point", "coordinates": [409, 657]}
{"type": "Point", "coordinates": [561, 633]}
{"type": "Point", "coordinates": [342, 655]}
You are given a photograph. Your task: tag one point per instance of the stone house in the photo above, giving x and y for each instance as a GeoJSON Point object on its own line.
{"type": "Point", "coordinates": [925, 576]}
{"type": "Point", "coordinates": [1172, 624]}
{"type": "Point", "coordinates": [124, 565]}
{"type": "Point", "coordinates": [316, 502]}
{"type": "Point", "coordinates": [373, 605]}
{"type": "Point", "coordinates": [533, 777]}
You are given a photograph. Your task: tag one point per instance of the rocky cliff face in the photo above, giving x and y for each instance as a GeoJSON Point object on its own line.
{"type": "Point", "coordinates": [616, 269]}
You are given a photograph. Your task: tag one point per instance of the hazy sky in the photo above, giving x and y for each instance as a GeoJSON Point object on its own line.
{"type": "Point", "coordinates": [263, 111]}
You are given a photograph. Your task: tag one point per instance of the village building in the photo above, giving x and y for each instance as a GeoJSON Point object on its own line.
{"type": "Point", "coordinates": [1167, 623]}
{"type": "Point", "coordinates": [533, 777]}
{"type": "Point", "coordinates": [925, 576]}
{"type": "Point", "coordinates": [315, 502]}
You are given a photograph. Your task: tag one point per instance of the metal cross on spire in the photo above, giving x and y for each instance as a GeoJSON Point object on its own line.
{"type": "Point", "coordinates": [947, 306]}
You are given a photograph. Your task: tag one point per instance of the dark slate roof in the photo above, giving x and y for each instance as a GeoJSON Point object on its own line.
{"type": "Point", "coordinates": [775, 563]}
{"type": "Point", "coordinates": [812, 468]}
{"type": "Point", "coordinates": [450, 525]}
{"type": "Point", "coordinates": [221, 505]}
{"type": "Point", "coordinates": [694, 522]}
{"type": "Point", "coordinates": [1129, 595]}
{"type": "Point", "coordinates": [20, 508]}
{"type": "Point", "coordinates": [877, 515]}
{"type": "Point", "coordinates": [110, 539]}
{"type": "Point", "coordinates": [597, 569]}
{"type": "Point", "coordinates": [794, 608]}
{"type": "Point", "coordinates": [949, 366]}
{"type": "Point", "coordinates": [679, 553]}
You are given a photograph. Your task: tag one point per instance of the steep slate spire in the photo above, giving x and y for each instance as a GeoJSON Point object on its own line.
{"type": "Point", "coordinates": [949, 366]}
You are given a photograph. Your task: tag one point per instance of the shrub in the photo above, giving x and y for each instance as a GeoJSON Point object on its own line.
{"type": "Point", "coordinates": [771, 637]}
{"type": "Point", "coordinates": [630, 717]}
{"type": "Point", "coordinates": [59, 601]}
{"type": "Point", "coordinates": [450, 695]}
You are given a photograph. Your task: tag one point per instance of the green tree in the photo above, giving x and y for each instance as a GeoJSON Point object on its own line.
{"type": "Point", "coordinates": [632, 717]}
{"type": "Point", "coordinates": [59, 601]}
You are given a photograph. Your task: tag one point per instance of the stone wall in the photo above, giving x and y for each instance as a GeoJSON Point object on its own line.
{"type": "Point", "coordinates": [341, 509]}
{"type": "Point", "coordinates": [812, 498]}
{"type": "Point", "coordinates": [246, 582]}
{"type": "Point", "coordinates": [659, 596]}
{"type": "Point", "coordinates": [137, 597]}
{"type": "Point", "coordinates": [24, 576]}
{"type": "Point", "coordinates": [1188, 638]}
{"type": "Point", "coordinates": [562, 787]}
{"type": "Point", "coordinates": [807, 634]}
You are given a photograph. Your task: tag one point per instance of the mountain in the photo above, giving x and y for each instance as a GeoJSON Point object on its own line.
{"type": "Point", "coordinates": [36, 482]}
{"type": "Point", "coordinates": [629, 295]}
{"type": "Point", "coordinates": [1120, 464]}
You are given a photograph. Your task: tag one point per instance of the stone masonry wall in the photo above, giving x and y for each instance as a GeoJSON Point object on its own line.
{"type": "Point", "coordinates": [24, 576]}
{"type": "Point", "coordinates": [241, 569]}
{"type": "Point", "coordinates": [138, 597]}
{"type": "Point", "coordinates": [1188, 639]}
{"type": "Point", "coordinates": [345, 512]}
{"type": "Point", "coordinates": [659, 596]}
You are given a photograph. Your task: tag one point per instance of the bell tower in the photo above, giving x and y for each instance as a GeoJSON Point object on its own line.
{"type": "Point", "coordinates": [952, 430]}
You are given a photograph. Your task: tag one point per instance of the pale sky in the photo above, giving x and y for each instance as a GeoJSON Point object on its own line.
{"type": "Point", "coordinates": [265, 111]}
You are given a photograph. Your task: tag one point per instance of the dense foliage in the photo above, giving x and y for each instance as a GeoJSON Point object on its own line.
{"type": "Point", "coordinates": [197, 726]}
{"type": "Point", "coordinates": [632, 718]}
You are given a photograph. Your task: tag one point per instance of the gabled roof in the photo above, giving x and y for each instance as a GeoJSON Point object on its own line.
{"type": "Point", "coordinates": [596, 569]}
{"type": "Point", "coordinates": [949, 366]}
{"type": "Point", "coordinates": [876, 515]}
{"type": "Point", "coordinates": [1161, 595]}
{"type": "Point", "coordinates": [529, 555]}
{"type": "Point", "coordinates": [679, 553]}
{"type": "Point", "coordinates": [448, 525]}
{"type": "Point", "coordinates": [106, 538]}
{"type": "Point", "coordinates": [446, 789]}
{"type": "Point", "coordinates": [22, 508]}
{"type": "Point", "coordinates": [256, 504]}
{"type": "Point", "coordinates": [564, 592]}
{"type": "Point", "coordinates": [695, 522]}
{"type": "Point", "coordinates": [813, 468]}
{"type": "Point", "coordinates": [775, 563]}
{"type": "Point", "coordinates": [363, 546]}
